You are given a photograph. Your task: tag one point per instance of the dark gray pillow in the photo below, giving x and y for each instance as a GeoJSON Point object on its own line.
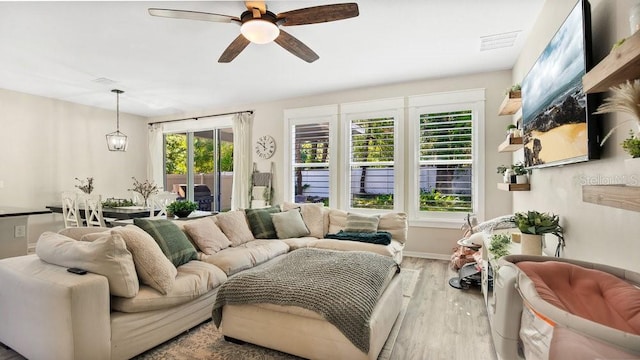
{"type": "Point", "coordinates": [172, 241]}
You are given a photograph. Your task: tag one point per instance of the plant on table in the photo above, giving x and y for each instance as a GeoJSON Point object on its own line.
{"type": "Point", "coordinates": [181, 208]}
{"type": "Point", "coordinates": [538, 223]}
{"type": "Point", "coordinates": [86, 186]}
{"type": "Point", "coordinates": [113, 203]}
{"type": "Point", "coordinates": [145, 189]}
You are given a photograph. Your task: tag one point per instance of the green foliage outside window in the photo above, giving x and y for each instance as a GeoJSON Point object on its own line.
{"type": "Point", "coordinates": [176, 155]}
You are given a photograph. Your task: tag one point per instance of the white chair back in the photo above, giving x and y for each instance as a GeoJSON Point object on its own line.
{"type": "Point", "coordinates": [70, 211]}
{"type": "Point", "coordinates": [93, 210]}
{"type": "Point", "coordinates": [159, 202]}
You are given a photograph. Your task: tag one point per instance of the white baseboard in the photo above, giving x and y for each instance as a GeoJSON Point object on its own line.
{"type": "Point", "coordinates": [424, 255]}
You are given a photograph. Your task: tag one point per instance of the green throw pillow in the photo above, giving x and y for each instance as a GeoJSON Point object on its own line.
{"type": "Point", "coordinates": [260, 222]}
{"type": "Point", "coordinates": [173, 242]}
{"type": "Point", "coordinates": [362, 223]}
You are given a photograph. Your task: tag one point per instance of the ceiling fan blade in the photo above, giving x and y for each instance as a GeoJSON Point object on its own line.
{"type": "Point", "coordinates": [319, 14]}
{"type": "Point", "coordinates": [234, 49]}
{"type": "Point", "coordinates": [296, 47]}
{"type": "Point", "coordinates": [192, 15]}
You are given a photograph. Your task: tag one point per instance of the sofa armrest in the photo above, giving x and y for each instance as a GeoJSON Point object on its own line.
{"type": "Point", "coordinates": [49, 313]}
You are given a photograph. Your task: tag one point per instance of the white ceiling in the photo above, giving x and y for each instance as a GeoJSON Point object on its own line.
{"type": "Point", "coordinates": [169, 66]}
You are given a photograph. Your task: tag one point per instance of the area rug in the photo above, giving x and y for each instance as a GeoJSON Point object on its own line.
{"type": "Point", "coordinates": [204, 342]}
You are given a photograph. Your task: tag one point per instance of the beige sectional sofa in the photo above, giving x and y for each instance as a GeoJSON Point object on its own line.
{"type": "Point", "coordinates": [140, 300]}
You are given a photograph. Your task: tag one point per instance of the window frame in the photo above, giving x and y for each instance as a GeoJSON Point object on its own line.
{"type": "Point", "coordinates": [473, 100]}
{"type": "Point", "coordinates": [394, 108]}
{"type": "Point", "coordinates": [311, 115]}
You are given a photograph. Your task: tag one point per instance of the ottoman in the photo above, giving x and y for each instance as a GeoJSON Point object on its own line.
{"type": "Point", "coordinates": [303, 332]}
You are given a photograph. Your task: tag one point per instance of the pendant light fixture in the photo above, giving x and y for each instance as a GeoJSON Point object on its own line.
{"type": "Point", "coordinates": [117, 141]}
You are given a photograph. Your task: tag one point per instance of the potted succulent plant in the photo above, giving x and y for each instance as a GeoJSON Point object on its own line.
{"type": "Point", "coordinates": [181, 208]}
{"type": "Point", "coordinates": [520, 172]}
{"type": "Point", "coordinates": [534, 224]}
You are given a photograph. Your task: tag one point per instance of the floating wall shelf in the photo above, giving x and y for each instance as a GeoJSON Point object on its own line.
{"type": "Point", "coordinates": [511, 103]}
{"type": "Point", "coordinates": [511, 144]}
{"type": "Point", "coordinates": [622, 64]}
{"type": "Point", "coordinates": [617, 196]}
{"type": "Point", "coordinates": [514, 187]}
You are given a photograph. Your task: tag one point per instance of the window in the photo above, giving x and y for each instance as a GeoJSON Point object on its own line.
{"type": "Point", "coordinates": [198, 162]}
{"type": "Point", "coordinates": [311, 139]}
{"type": "Point", "coordinates": [373, 132]}
{"type": "Point", "coordinates": [447, 138]}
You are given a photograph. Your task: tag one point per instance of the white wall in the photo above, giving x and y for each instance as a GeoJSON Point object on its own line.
{"type": "Point", "coordinates": [45, 144]}
{"type": "Point", "coordinates": [425, 241]}
{"type": "Point", "coordinates": [593, 233]}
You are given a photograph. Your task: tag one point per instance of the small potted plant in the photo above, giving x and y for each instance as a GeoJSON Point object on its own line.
{"type": "Point", "coordinates": [632, 145]}
{"type": "Point", "coordinates": [520, 172]}
{"type": "Point", "coordinates": [534, 224]}
{"type": "Point", "coordinates": [506, 173]}
{"type": "Point", "coordinates": [512, 131]}
{"type": "Point", "coordinates": [181, 208]}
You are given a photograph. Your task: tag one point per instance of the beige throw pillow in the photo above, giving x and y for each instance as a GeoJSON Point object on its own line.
{"type": "Point", "coordinates": [107, 256]}
{"type": "Point", "coordinates": [207, 235]}
{"type": "Point", "coordinates": [234, 224]}
{"type": "Point", "coordinates": [289, 224]}
{"type": "Point", "coordinates": [153, 267]}
{"type": "Point", "coordinates": [312, 215]}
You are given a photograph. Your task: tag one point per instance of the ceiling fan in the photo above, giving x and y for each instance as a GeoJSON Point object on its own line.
{"type": "Point", "coordinates": [261, 26]}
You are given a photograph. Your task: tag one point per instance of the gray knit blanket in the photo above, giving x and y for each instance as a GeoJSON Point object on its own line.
{"type": "Point", "coordinates": [342, 287]}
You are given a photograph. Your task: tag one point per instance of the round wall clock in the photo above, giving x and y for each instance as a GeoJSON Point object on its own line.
{"type": "Point", "coordinates": [265, 146]}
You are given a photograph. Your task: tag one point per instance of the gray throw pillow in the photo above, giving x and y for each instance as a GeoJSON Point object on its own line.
{"type": "Point", "coordinates": [362, 223]}
{"type": "Point", "coordinates": [289, 224]}
{"type": "Point", "coordinates": [260, 222]}
{"type": "Point", "coordinates": [172, 241]}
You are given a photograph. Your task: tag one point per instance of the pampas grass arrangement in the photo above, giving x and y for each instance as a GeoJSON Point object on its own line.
{"type": "Point", "coordinates": [625, 98]}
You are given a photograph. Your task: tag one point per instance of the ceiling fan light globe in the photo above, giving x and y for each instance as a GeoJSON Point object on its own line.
{"type": "Point", "coordinates": [260, 31]}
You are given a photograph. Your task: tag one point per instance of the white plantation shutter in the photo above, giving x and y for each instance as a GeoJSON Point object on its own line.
{"type": "Point", "coordinates": [372, 160]}
{"type": "Point", "coordinates": [445, 161]}
{"type": "Point", "coordinates": [311, 162]}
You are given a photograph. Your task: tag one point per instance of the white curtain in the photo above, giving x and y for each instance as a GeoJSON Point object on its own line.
{"type": "Point", "coordinates": [241, 160]}
{"type": "Point", "coordinates": [155, 170]}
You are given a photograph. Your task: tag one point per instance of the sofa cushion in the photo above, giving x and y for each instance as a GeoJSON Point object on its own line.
{"type": "Point", "coordinates": [361, 223]}
{"type": "Point", "coordinates": [260, 222]}
{"type": "Point", "coordinates": [390, 250]}
{"type": "Point", "coordinates": [312, 215]}
{"type": "Point", "coordinates": [289, 224]}
{"type": "Point", "coordinates": [172, 240]}
{"type": "Point", "coordinates": [78, 232]}
{"type": "Point", "coordinates": [194, 279]}
{"type": "Point", "coordinates": [393, 222]}
{"type": "Point", "coordinates": [299, 243]}
{"type": "Point", "coordinates": [234, 225]}
{"type": "Point", "coordinates": [207, 235]}
{"type": "Point", "coordinates": [235, 259]}
{"type": "Point", "coordinates": [153, 267]}
{"type": "Point", "coordinates": [107, 256]}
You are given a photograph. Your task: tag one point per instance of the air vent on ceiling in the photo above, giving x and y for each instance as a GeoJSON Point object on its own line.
{"type": "Point", "coordinates": [103, 81]}
{"type": "Point", "coordinates": [498, 41]}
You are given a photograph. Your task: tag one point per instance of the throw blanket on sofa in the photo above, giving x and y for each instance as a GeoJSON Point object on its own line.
{"type": "Point", "coordinates": [380, 237]}
{"type": "Point", "coordinates": [343, 287]}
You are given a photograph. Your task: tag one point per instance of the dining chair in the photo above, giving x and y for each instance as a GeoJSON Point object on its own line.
{"type": "Point", "coordinates": [159, 202]}
{"type": "Point", "coordinates": [93, 210]}
{"type": "Point", "coordinates": [70, 209]}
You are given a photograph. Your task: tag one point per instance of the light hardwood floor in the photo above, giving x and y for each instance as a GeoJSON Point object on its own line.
{"type": "Point", "coordinates": [443, 322]}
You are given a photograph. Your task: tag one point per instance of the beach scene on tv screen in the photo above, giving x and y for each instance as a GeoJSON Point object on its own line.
{"type": "Point", "coordinates": [553, 103]}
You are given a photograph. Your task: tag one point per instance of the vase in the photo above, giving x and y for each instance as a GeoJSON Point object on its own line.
{"type": "Point", "coordinates": [522, 179]}
{"type": "Point", "coordinates": [530, 244]}
{"type": "Point", "coordinates": [634, 17]}
{"type": "Point", "coordinates": [632, 167]}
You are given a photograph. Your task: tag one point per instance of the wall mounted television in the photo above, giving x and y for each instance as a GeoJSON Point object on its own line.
{"type": "Point", "coordinates": [557, 116]}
